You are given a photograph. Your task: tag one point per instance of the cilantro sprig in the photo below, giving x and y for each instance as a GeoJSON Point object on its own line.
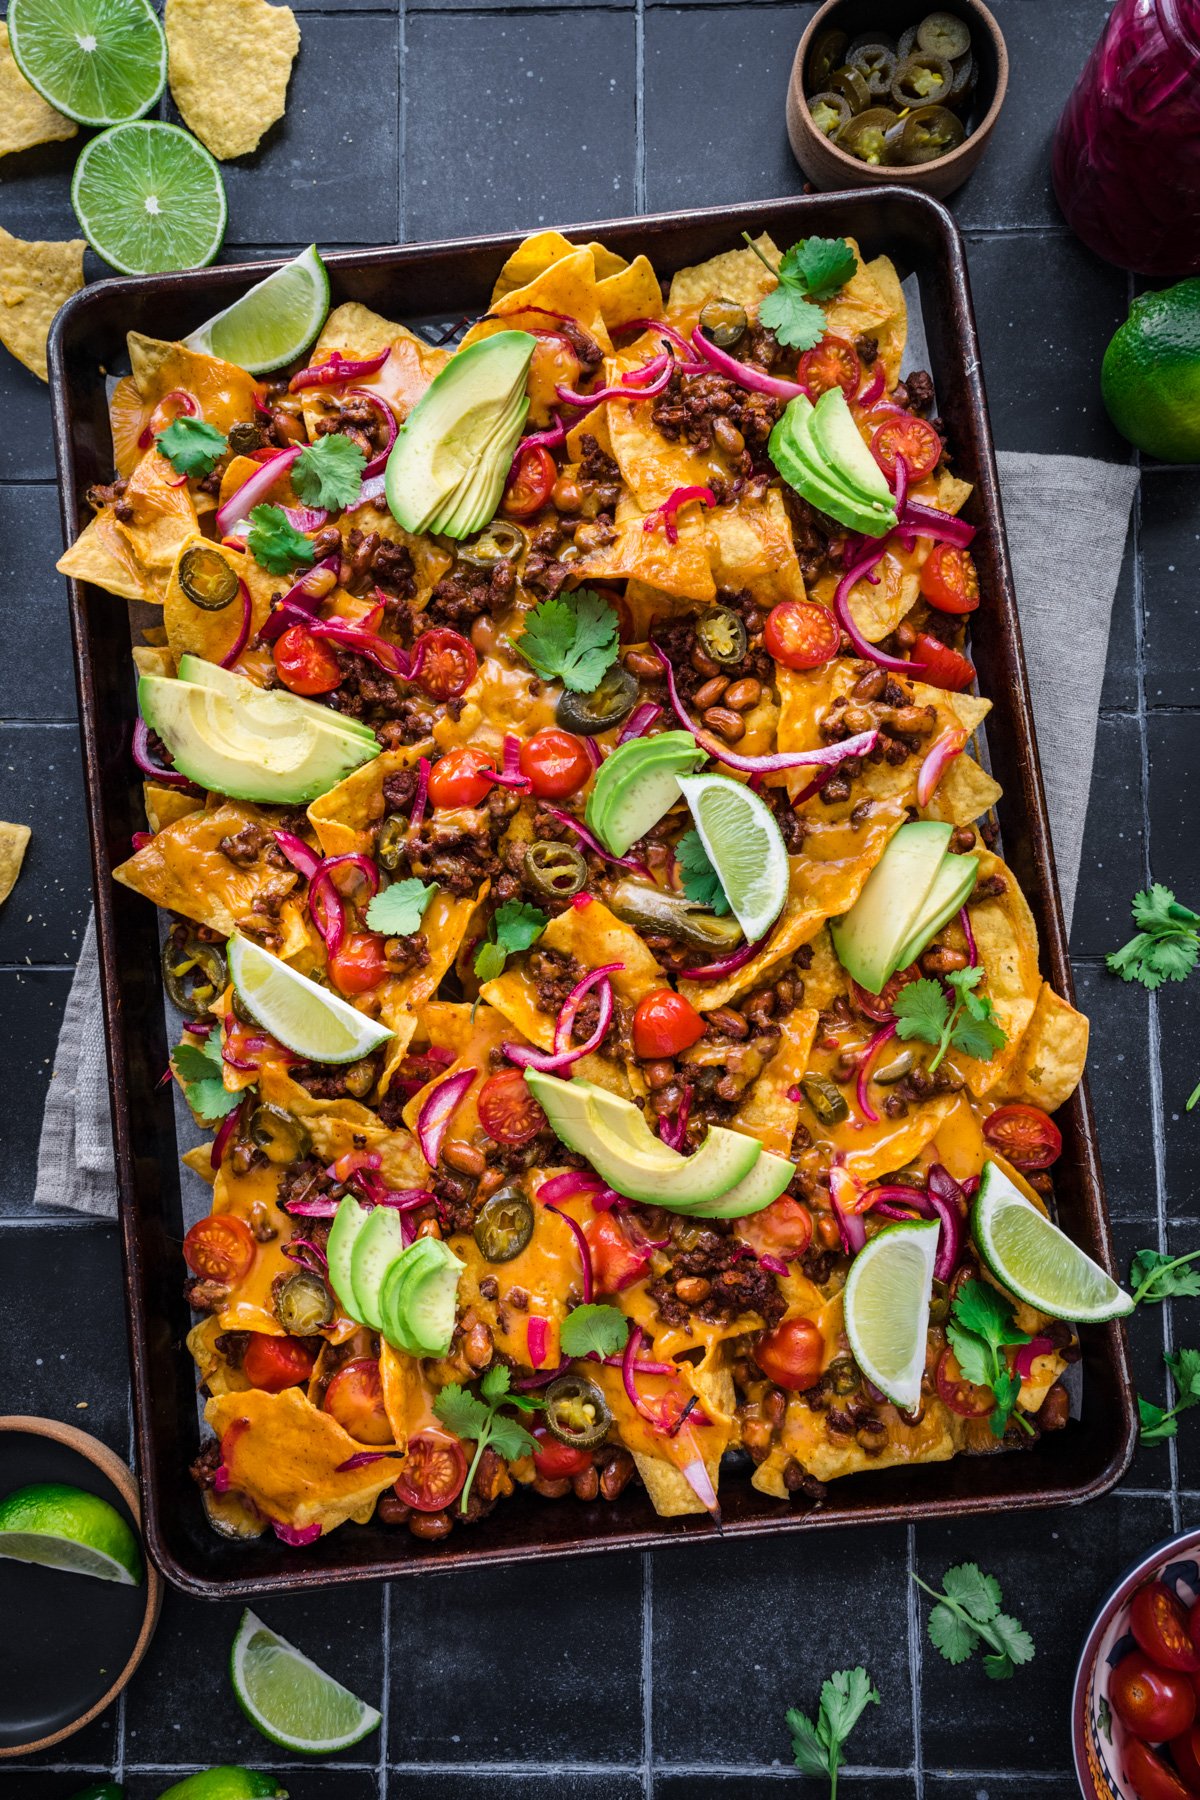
{"type": "Point", "coordinates": [515, 926]}
{"type": "Point", "coordinates": [981, 1327]}
{"type": "Point", "coordinates": [329, 472]}
{"type": "Point", "coordinates": [398, 910]}
{"type": "Point", "coordinates": [571, 638]}
{"type": "Point", "coordinates": [923, 1010]}
{"type": "Point", "coordinates": [274, 542]}
{"type": "Point", "coordinates": [478, 1416]}
{"type": "Point", "coordinates": [192, 446]}
{"type": "Point", "coordinates": [1167, 942]}
{"type": "Point", "coordinates": [813, 269]}
{"type": "Point", "coordinates": [1161, 1422]}
{"type": "Point", "coordinates": [968, 1614]}
{"type": "Point", "coordinates": [701, 882]}
{"type": "Point", "coordinates": [1154, 1276]}
{"type": "Point", "coordinates": [594, 1330]}
{"type": "Point", "coordinates": [197, 1067]}
{"type": "Point", "coordinates": [817, 1744]}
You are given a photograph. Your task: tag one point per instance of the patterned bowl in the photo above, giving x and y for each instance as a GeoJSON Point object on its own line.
{"type": "Point", "coordinates": [1098, 1737]}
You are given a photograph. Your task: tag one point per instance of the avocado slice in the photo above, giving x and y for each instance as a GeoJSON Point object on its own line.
{"type": "Point", "coordinates": [803, 467]}
{"type": "Point", "coordinates": [451, 431]}
{"type": "Point", "coordinates": [624, 1120]}
{"type": "Point", "coordinates": [836, 438]}
{"type": "Point", "coordinates": [870, 937]}
{"type": "Point", "coordinates": [257, 746]}
{"type": "Point", "coordinates": [224, 681]}
{"type": "Point", "coordinates": [419, 1296]}
{"type": "Point", "coordinates": [637, 784]}
{"type": "Point", "coordinates": [770, 1177]}
{"type": "Point", "coordinates": [377, 1247]}
{"type": "Point", "coordinates": [951, 888]}
{"type": "Point", "coordinates": [474, 502]}
{"type": "Point", "coordinates": [348, 1221]}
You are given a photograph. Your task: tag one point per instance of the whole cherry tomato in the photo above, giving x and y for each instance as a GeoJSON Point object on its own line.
{"type": "Point", "coordinates": [358, 964]}
{"type": "Point", "coordinates": [949, 580]}
{"type": "Point", "coordinates": [664, 1023]}
{"type": "Point", "coordinates": [219, 1248]}
{"type": "Point", "coordinates": [448, 663]}
{"type": "Point", "coordinates": [507, 1110]}
{"type": "Point", "coordinates": [1156, 1704]}
{"type": "Point", "coordinates": [1152, 1778]}
{"type": "Point", "coordinates": [455, 779]}
{"type": "Point", "coordinates": [791, 1356]}
{"type": "Point", "coordinates": [833, 363]}
{"type": "Point", "coordinates": [275, 1363]}
{"type": "Point", "coordinates": [960, 1395]}
{"type": "Point", "coordinates": [555, 762]}
{"type": "Point", "coordinates": [555, 1461]}
{"type": "Point", "coordinates": [1027, 1138]}
{"type": "Point", "coordinates": [1186, 1752]}
{"type": "Point", "coordinates": [801, 635]}
{"type": "Point", "coordinates": [435, 1468]}
{"type": "Point", "coordinates": [616, 1261]}
{"type": "Point", "coordinates": [355, 1399]}
{"type": "Point", "coordinates": [528, 486]}
{"type": "Point", "coordinates": [913, 439]}
{"type": "Point", "coordinates": [306, 664]}
{"type": "Point", "coordinates": [944, 667]}
{"type": "Point", "coordinates": [1159, 1622]}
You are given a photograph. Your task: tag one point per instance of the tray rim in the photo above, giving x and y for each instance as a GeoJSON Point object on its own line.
{"type": "Point", "coordinates": [1055, 956]}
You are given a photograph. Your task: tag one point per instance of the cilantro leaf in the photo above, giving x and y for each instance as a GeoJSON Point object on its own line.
{"type": "Point", "coordinates": [602, 1329]}
{"type": "Point", "coordinates": [811, 1756]}
{"type": "Point", "coordinates": [489, 961]}
{"type": "Point", "coordinates": [980, 1038]}
{"type": "Point", "coordinates": [1154, 1275]}
{"type": "Point", "coordinates": [511, 1439]}
{"type": "Point", "coordinates": [701, 882]}
{"type": "Point", "coordinates": [515, 926]}
{"type": "Point", "coordinates": [817, 1748]}
{"type": "Point", "coordinates": [329, 472]}
{"type": "Point", "coordinates": [981, 1308]}
{"type": "Point", "coordinates": [495, 1384]}
{"type": "Point", "coordinates": [398, 909]}
{"type": "Point", "coordinates": [198, 1069]}
{"type": "Point", "coordinates": [953, 1635]}
{"type": "Point", "coordinates": [1157, 908]}
{"type": "Point", "coordinates": [1016, 1641]}
{"type": "Point", "coordinates": [1185, 1372]}
{"type": "Point", "coordinates": [813, 269]}
{"type": "Point", "coordinates": [1157, 1423]}
{"type": "Point", "coordinates": [968, 1614]}
{"type": "Point", "coordinates": [922, 1011]}
{"type": "Point", "coordinates": [192, 446]}
{"type": "Point", "coordinates": [795, 321]}
{"type": "Point", "coordinates": [571, 638]}
{"type": "Point", "coordinates": [981, 1326]}
{"type": "Point", "coordinates": [971, 1356]}
{"type": "Point", "coordinates": [821, 265]}
{"type": "Point", "coordinates": [977, 1593]}
{"type": "Point", "coordinates": [191, 1063]}
{"type": "Point", "coordinates": [477, 1416]}
{"type": "Point", "coordinates": [460, 1411]}
{"type": "Point", "coordinates": [274, 542]}
{"type": "Point", "coordinates": [1167, 945]}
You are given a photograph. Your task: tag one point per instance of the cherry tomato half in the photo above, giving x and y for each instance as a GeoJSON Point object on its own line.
{"type": "Point", "coordinates": [455, 779]}
{"type": "Point", "coordinates": [355, 1399]}
{"type": "Point", "coordinates": [664, 1023]}
{"type": "Point", "coordinates": [306, 664]}
{"type": "Point", "coordinates": [507, 1110]}
{"type": "Point", "coordinates": [275, 1363]}
{"type": "Point", "coordinates": [1155, 1703]}
{"type": "Point", "coordinates": [529, 485]}
{"type": "Point", "coordinates": [833, 363]}
{"type": "Point", "coordinates": [1159, 1622]}
{"type": "Point", "coordinates": [358, 964]}
{"type": "Point", "coordinates": [219, 1248]}
{"type": "Point", "coordinates": [1027, 1138]}
{"type": "Point", "coordinates": [435, 1467]}
{"type": "Point", "coordinates": [616, 1260]}
{"type": "Point", "coordinates": [801, 635]}
{"type": "Point", "coordinates": [1152, 1778]}
{"type": "Point", "coordinates": [448, 663]}
{"type": "Point", "coordinates": [555, 762]}
{"type": "Point", "coordinates": [913, 439]}
{"type": "Point", "coordinates": [555, 1461]}
{"type": "Point", "coordinates": [944, 667]}
{"type": "Point", "coordinates": [1186, 1752]}
{"type": "Point", "coordinates": [792, 1354]}
{"type": "Point", "coordinates": [782, 1229]}
{"type": "Point", "coordinates": [960, 1395]}
{"type": "Point", "coordinates": [949, 580]}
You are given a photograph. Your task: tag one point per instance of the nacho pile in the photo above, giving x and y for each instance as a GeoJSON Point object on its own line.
{"type": "Point", "coordinates": [457, 892]}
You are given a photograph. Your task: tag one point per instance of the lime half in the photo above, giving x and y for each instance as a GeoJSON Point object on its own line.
{"type": "Point", "coordinates": [99, 61]}
{"type": "Point", "coordinates": [148, 198]}
{"type": "Point", "coordinates": [227, 1783]}
{"type": "Point", "coordinates": [887, 1308]}
{"type": "Point", "coordinates": [289, 1699]}
{"type": "Point", "coordinates": [744, 845]}
{"type": "Point", "coordinates": [65, 1528]}
{"type": "Point", "coordinates": [275, 322]}
{"type": "Point", "coordinates": [1036, 1261]}
{"type": "Point", "coordinates": [304, 1017]}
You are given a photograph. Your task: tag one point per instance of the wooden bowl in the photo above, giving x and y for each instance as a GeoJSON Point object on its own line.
{"type": "Point", "coordinates": [73, 1624]}
{"type": "Point", "coordinates": [828, 167]}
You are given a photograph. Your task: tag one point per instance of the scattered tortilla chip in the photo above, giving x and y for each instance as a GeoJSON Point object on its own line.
{"type": "Point", "coordinates": [964, 793]}
{"type": "Point", "coordinates": [166, 804]}
{"type": "Point", "coordinates": [1006, 938]}
{"type": "Point", "coordinates": [530, 259]}
{"type": "Point", "coordinates": [804, 1437]}
{"type": "Point", "coordinates": [892, 333]}
{"type": "Point", "coordinates": [681, 569]}
{"type": "Point", "coordinates": [566, 285]}
{"type": "Point", "coordinates": [14, 841]}
{"type": "Point", "coordinates": [860, 306]}
{"type": "Point", "coordinates": [751, 546]}
{"type": "Point", "coordinates": [446, 921]}
{"type": "Point", "coordinates": [164, 519]}
{"type": "Point", "coordinates": [229, 65]}
{"type": "Point", "coordinates": [339, 1125]}
{"type": "Point", "coordinates": [1049, 1062]}
{"type": "Point", "coordinates": [354, 331]}
{"type": "Point", "coordinates": [344, 819]}
{"type": "Point", "coordinates": [25, 118]}
{"type": "Point", "coordinates": [768, 1113]}
{"type": "Point", "coordinates": [35, 279]}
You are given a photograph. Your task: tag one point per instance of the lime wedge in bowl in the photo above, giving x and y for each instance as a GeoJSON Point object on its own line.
{"type": "Point", "coordinates": [1036, 1261]}
{"type": "Point", "coordinates": [63, 1527]}
{"type": "Point", "coordinates": [275, 322]}
{"type": "Point", "coordinates": [101, 62]}
{"type": "Point", "coordinates": [744, 845]}
{"type": "Point", "coordinates": [149, 198]}
{"type": "Point", "coordinates": [887, 1308]}
{"type": "Point", "coordinates": [289, 1699]}
{"type": "Point", "coordinates": [306, 1019]}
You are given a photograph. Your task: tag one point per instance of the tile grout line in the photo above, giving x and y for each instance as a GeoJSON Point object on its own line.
{"type": "Point", "coordinates": [915, 1662]}
{"type": "Point", "coordinates": [401, 125]}
{"type": "Point", "coordinates": [639, 108]}
{"type": "Point", "coordinates": [647, 1675]}
{"type": "Point", "coordinates": [385, 1698]}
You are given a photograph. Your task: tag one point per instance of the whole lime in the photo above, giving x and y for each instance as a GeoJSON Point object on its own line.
{"type": "Point", "coordinates": [227, 1783]}
{"type": "Point", "coordinates": [1151, 374]}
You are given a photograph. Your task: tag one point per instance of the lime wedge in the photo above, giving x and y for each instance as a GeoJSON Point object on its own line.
{"type": "Point", "coordinates": [99, 61]}
{"type": "Point", "coordinates": [275, 322]}
{"type": "Point", "coordinates": [887, 1308]}
{"type": "Point", "coordinates": [744, 845]}
{"type": "Point", "coordinates": [65, 1528]}
{"type": "Point", "coordinates": [227, 1783]}
{"type": "Point", "coordinates": [289, 1699]}
{"type": "Point", "coordinates": [1036, 1261]}
{"type": "Point", "coordinates": [304, 1017]}
{"type": "Point", "coordinates": [148, 197]}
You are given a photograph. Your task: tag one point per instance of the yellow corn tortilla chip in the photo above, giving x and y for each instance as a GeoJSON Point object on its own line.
{"type": "Point", "coordinates": [594, 936]}
{"type": "Point", "coordinates": [861, 305]}
{"type": "Point", "coordinates": [878, 608]}
{"type": "Point", "coordinates": [804, 1438]}
{"type": "Point", "coordinates": [225, 392]}
{"type": "Point", "coordinates": [567, 285]}
{"type": "Point", "coordinates": [288, 1458]}
{"type": "Point", "coordinates": [401, 1000]}
{"type": "Point", "coordinates": [891, 333]}
{"type": "Point", "coordinates": [198, 630]}
{"type": "Point", "coordinates": [14, 841]}
{"type": "Point", "coordinates": [530, 259]}
{"type": "Point", "coordinates": [1006, 939]}
{"type": "Point", "coordinates": [336, 1126]}
{"type": "Point", "coordinates": [166, 804]}
{"type": "Point", "coordinates": [881, 1149]}
{"type": "Point", "coordinates": [25, 118]}
{"type": "Point", "coordinates": [751, 546]}
{"type": "Point", "coordinates": [681, 569]}
{"type": "Point", "coordinates": [737, 275]}
{"type": "Point", "coordinates": [354, 331]}
{"type": "Point", "coordinates": [164, 519]}
{"type": "Point", "coordinates": [183, 870]}
{"type": "Point", "coordinates": [964, 793]}
{"type": "Point", "coordinates": [1048, 1065]}
{"type": "Point", "coordinates": [651, 467]}
{"type": "Point", "coordinates": [35, 279]}
{"type": "Point", "coordinates": [473, 1039]}
{"type": "Point", "coordinates": [344, 819]}
{"type": "Point", "coordinates": [767, 1113]}
{"type": "Point", "coordinates": [671, 1494]}
{"type": "Point", "coordinates": [229, 62]}
{"type": "Point", "coordinates": [101, 555]}
{"type": "Point", "coordinates": [630, 293]}
{"type": "Point", "coordinates": [544, 1269]}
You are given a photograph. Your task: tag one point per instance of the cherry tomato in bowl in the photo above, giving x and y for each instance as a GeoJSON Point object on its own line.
{"type": "Point", "coordinates": [831, 363]}
{"type": "Point", "coordinates": [949, 579]}
{"type": "Point", "coordinates": [1025, 1136]}
{"type": "Point", "coordinates": [358, 964]}
{"type": "Point", "coordinates": [275, 1363]}
{"type": "Point", "coordinates": [529, 485]}
{"type": "Point", "coordinates": [555, 763]}
{"type": "Point", "coordinates": [435, 1468]}
{"type": "Point", "coordinates": [355, 1399]}
{"type": "Point", "coordinates": [792, 1355]}
{"type": "Point", "coordinates": [448, 663]}
{"type": "Point", "coordinates": [507, 1110]}
{"type": "Point", "coordinates": [1185, 1753]}
{"type": "Point", "coordinates": [913, 439]}
{"type": "Point", "coordinates": [664, 1023]}
{"type": "Point", "coordinates": [555, 1461]}
{"type": "Point", "coordinates": [1155, 1704]}
{"type": "Point", "coordinates": [1159, 1622]}
{"type": "Point", "coordinates": [1153, 1778]}
{"type": "Point", "coordinates": [801, 635]}
{"type": "Point", "coordinates": [219, 1248]}
{"type": "Point", "coordinates": [456, 779]}
{"type": "Point", "coordinates": [306, 664]}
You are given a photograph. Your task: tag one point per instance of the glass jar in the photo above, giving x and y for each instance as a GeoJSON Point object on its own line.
{"type": "Point", "coordinates": [1127, 149]}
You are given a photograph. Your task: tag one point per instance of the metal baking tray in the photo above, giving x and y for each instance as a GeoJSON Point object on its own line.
{"type": "Point", "coordinates": [442, 282]}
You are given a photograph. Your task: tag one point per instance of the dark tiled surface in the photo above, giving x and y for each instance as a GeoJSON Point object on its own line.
{"type": "Point", "coordinates": [506, 1687]}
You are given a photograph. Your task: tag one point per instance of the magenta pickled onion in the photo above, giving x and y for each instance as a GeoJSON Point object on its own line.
{"type": "Point", "coordinates": [565, 1187]}
{"type": "Point", "coordinates": [671, 505]}
{"type": "Point", "coordinates": [743, 373]}
{"type": "Point", "coordinates": [306, 862]}
{"type": "Point", "coordinates": [636, 384]}
{"type": "Point", "coordinates": [239, 642]}
{"type": "Point", "coordinates": [643, 716]}
{"type": "Point", "coordinates": [628, 1361]}
{"type": "Point", "coordinates": [421, 795]}
{"type": "Point", "coordinates": [378, 462]}
{"type": "Point", "coordinates": [372, 491]}
{"type": "Point", "coordinates": [546, 1062]}
{"type": "Point", "coordinates": [846, 1199]}
{"type": "Point", "coordinates": [1023, 1361]}
{"type": "Point", "coordinates": [662, 328]}
{"type": "Point", "coordinates": [775, 1264]}
{"type": "Point", "coordinates": [220, 1479]}
{"type": "Point", "coordinates": [322, 1206]}
{"type": "Point", "coordinates": [189, 407]}
{"type": "Point", "coordinates": [442, 1103]}
{"type": "Point", "coordinates": [928, 521]}
{"type": "Point", "coordinates": [900, 491]}
{"type": "Point", "coordinates": [325, 904]}
{"type": "Point", "coordinates": [304, 596]}
{"type": "Point", "coordinates": [964, 919]}
{"type": "Point", "coordinates": [867, 1057]}
{"type": "Point", "coordinates": [584, 1248]}
{"type": "Point", "coordinates": [363, 1458]}
{"type": "Point", "coordinates": [310, 1256]}
{"type": "Point", "coordinates": [565, 1024]}
{"type": "Point", "coordinates": [841, 606]}
{"type": "Point", "coordinates": [305, 518]}
{"type": "Point", "coordinates": [256, 488]}
{"type": "Point", "coordinates": [938, 760]}
{"type": "Point", "coordinates": [724, 965]}
{"type": "Point", "coordinates": [536, 1340]}
{"type": "Point", "coordinates": [336, 369]}
{"type": "Point", "coordinates": [696, 1475]}
{"type": "Point", "coordinates": [146, 763]}
{"type": "Point", "coordinates": [295, 1535]}
{"type": "Point", "coordinates": [229, 1125]}
{"type": "Point", "coordinates": [874, 388]}
{"type": "Point", "coordinates": [529, 1383]}
{"type": "Point", "coordinates": [539, 440]}
{"type": "Point", "coordinates": [388, 657]}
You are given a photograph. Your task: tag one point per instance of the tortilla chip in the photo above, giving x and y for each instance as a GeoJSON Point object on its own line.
{"type": "Point", "coordinates": [101, 555]}
{"type": "Point", "coordinates": [1006, 939]}
{"type": "Point", "coordinates": [681, 569]}
{"type": "Point", "coordinates": [751, 546]}
{"type": "Point", "coordinates": [630, 293]}
{"type": "Point", "coordinates": [336, 1126]}
{"type": "Point", "coordinates": [444, 925]}
{"type": "Point", "coordinates": [767, 1113]}
{"type": "Point", "coordinates": [538, 1269]}
{"type": "Point", "coordinates": [14, 841]}
{"type": "Point", "coordinates": [164, 519]}
{"type": "Point", "coordinates": [344, 819]}
{"type": "Point", "coordinates": [531, 259]}
{"type": "Point", "coordinates": [804, 1438]}
{"type": "Point", "coordinates": [878, 609]}
{"type": "Point", "coordinates": [651, 467]}
{"type": "Point", "coordinates": [199, 631]}
{"type": "Point", "coordinates": [964, 793]}
{"type": "Point", "coordinates": [1048, 1065]}
{"type": "Point", "coordinates": [860, 306]}
{"type": "Point", "coordinates": [288, 1458]}
{"type": "Point", "coordinates": [889, 1146]}
{"type": "Point", "coordinates": [737, 275]}
{"type": "Point", "coordinates": [166, 804]}
{"type": "Point", "coordinates": [226, 392]}
{"type": "Point", "coordinates": [183, 870]}
{"type": "Point", "coordinates": [354, 331]}
{"type": "Point", "coordinates": [473, 1036]}
{"type": "Point", "coordinates": [230, 61]}
{"type": "Point", "coordinates": [567, 285]}
{"type": "Point", "coordinates": [891, 333]}
{"type": "Point", "coordinates": [35, 279]}
{"type": "Point", "coordinates": [25, 118]}
{"type": "Point", "coordinates": [594, 936]}
{"type": "Point", "coordinates": [671, 1494]}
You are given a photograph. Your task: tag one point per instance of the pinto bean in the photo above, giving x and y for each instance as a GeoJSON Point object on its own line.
{"type": "Point", "coordinates": [658, 1074]}
{"type": "Point", "coordinates": [869, 686]}
{"type": "Point", "coordinates": [744, 694]}
{"type": "Point", "coordinates": [774, 1406]}
{"type": "Point", "coordinates": [711, 692]}
{"type": "Point", "coordinates": [725, 723]}
{"type": "Point", "coordinates": [728, 436]}
{"type": "Point", "coordinates": [586, 1485]}
{"type": "Point", "coordinates": [857, 718]}
{"type": "Point", "coordinates": [477, 1345]}
{"type": "Point", "coordinates": [692, 1289]}
{"type": "Point", "coordinates": [616, 1475]}
{"type": "Point", "coordinates": [567, 494]}
{"type": "Point", "coordinates": [962, 839]}
{"type": "Point", "coordinates": [551, 1489]}
{"type": "Point", "coordinates": [729, 1021]}
{"type": "Point", "coordinates": [391, 1510]}
{"type": "Point", "coordinates": [704, 665]}
{"type": "Point", "coordinates": [468, 1159]}
{"type": "Point", "coordinates": [941, 959]}
{"type": "Point", "coordinates": [1055, 1409]}
{"type": "Point", "coordinates": [644, 664]}
{"type": "Point", "coordinates": [431, 1528]}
